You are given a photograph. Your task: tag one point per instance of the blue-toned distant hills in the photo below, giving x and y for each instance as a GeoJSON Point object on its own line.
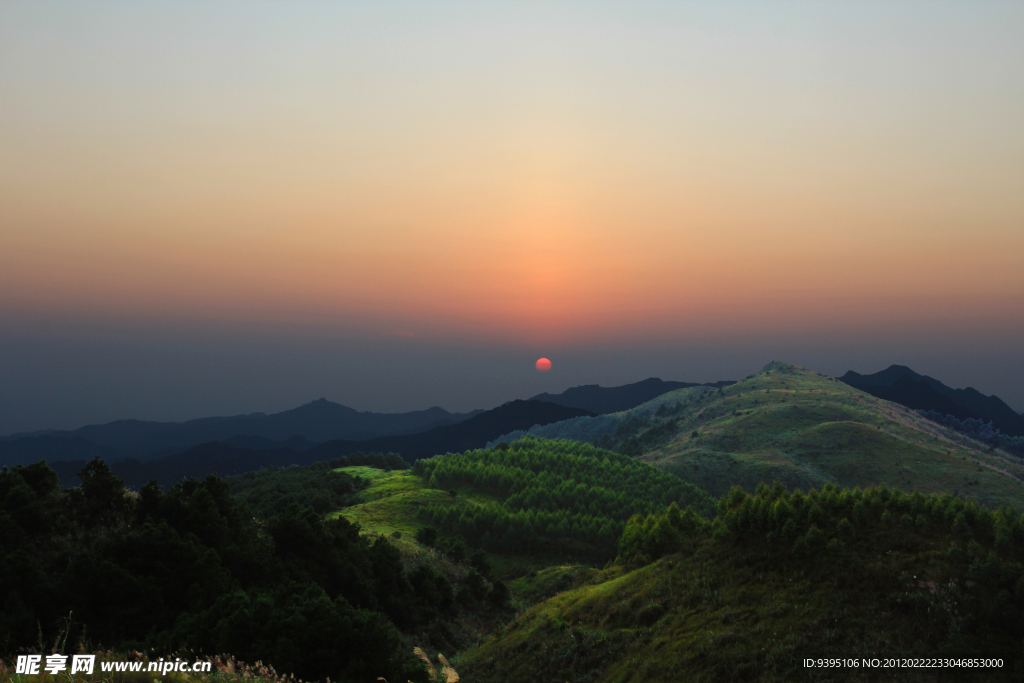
{"type": "Point", "coordinates": [296, 429]}
{"type": "Point", "coordinates": [318, 422]}
{"type": "Point", "coordinates": [226, 459]}
{"type": "Point", "coordinates": [320, 430]}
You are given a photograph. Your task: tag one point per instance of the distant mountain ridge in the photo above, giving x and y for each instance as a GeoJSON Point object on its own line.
{"type": "Point", "coordinates": [249, 454]}
{"type": "Point", "coordinates": [900, 384]}
{"type": "Point", "coordinates": [602, 400]}
{"type": "Point", "coordinates": [298, 429]}
{"type": "Point", "coordinates": [314, 422]}
{"type": "Point", "coordinates": [474, 432]}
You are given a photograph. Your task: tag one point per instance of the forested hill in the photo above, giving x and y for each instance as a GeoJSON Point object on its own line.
{"type": "Point", "coordinates": [778, 577]}
{"type": "Point", "coordinates": [900, 384]}
{"type": "Point", "coordinates": [553, 495]}
{"type": "Point", "coordinates": [191, 568]}
{"type": "Point", "coordinates": [602, 400]}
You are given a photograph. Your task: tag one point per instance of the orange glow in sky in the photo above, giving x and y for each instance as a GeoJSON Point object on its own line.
{"type": "Point", "coordinates": [514, 174]}
{"type": "Point", "coordinates": [208, 208]}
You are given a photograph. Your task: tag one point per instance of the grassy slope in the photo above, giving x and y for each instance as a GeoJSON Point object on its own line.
{"type": "Point", "coordinates": [805, 429]}
{"type": "Point", "coordinates": [751, 609]}
{"type": "Point", "coordinates": [392, 503]}
{"type": "Point", "coordinates": [589, 428]}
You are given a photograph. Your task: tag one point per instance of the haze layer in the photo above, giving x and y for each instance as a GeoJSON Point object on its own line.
{"type": "Point", "coordinates": [546, 176]}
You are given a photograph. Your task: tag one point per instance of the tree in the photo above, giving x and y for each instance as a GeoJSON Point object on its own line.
{"type": "Point", "coordinates": [427, 535]}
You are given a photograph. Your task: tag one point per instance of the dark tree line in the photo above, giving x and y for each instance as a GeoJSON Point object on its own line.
{"type": "Point", "coordinates": [192, 568]}
{"type": "Point", "coordinates": [270, 490]}
{"type": "Point", "coordinates": [827, 520]}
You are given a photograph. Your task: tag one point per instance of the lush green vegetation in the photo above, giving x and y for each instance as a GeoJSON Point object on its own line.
{"type": "Point", "coordinates": [191, 568]}
{"type": "Point", "coordinates": [392, 506]}
{"type": "Point", "coordinates": [538, 586]}
{"type": "Point", "coordinates": [347, 564]}
{"type": "Point", "coordinates": [804, 429]}
{"type": "Point", "coordinates": [474, 587]}
{"type": "Point", "coordinates": [552, 493]}
{"type": "Point", "coordinates": [778, 576]}
{"type": "Point", "coordinates": [270, 490]}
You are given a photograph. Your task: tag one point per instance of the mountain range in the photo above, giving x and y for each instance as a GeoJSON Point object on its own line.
{"type": "Point", "coordinates": [298, 429]}
{"type": "Point", "coordinates": [235, 457]}
{"type": "Point", "coordinates": [141, 451]}
{"type": "Point", "coordinates": [312, 423]}
{"type": "Point", "coordinates": [900, 384]}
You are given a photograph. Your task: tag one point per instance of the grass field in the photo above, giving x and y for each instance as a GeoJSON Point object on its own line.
{"type": "Point", "coordinates": [391, 505]}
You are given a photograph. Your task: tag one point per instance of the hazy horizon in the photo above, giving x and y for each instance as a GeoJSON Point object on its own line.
{"type": "Point", "coordinates": [217, 379]}
{"type": "Point", "coordinates": [241, 207]}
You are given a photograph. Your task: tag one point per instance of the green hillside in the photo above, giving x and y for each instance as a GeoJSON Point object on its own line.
{"type": "Point", "coordinates": [805, 429]}
{"type": "Point", "coordinates": [538, 515]}
{"type": "Point", "coordinates": [589, 429]}
{"type": "Point", "coordinates": [776, 578]}
{"type": "Point", "coordinates": [562, 501]}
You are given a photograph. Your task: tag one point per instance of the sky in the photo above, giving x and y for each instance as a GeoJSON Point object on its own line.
{"type": "Point", "coordinates": [222, 208]}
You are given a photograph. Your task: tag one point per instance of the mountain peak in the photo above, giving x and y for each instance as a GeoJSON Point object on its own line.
{"type": "Point", "coordinates": [779, 365]}
{"type": "Point", "coordinates": [900, 384]}
{"type": "Point", "coordinates": [320, 404]}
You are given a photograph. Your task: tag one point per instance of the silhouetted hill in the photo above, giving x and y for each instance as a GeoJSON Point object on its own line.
{"type": "Point", "coordinates": [919, 395]}
{"type": "Point", "coordinates": [472, 433]}
{"type": "Point", "coordinates": [900, 384]}
{"type": "Point", "coordinates": [226, 459]}
{"type": "Point", "coordinates": [314, 422]}
{"type": "Point", "coordinates": [259, 443]}
{"type": "Point", "coordinates": [602, 400]}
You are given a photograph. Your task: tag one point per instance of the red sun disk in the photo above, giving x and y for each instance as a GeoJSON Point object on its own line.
{"type": "Point", "coordinates": [543, 365]}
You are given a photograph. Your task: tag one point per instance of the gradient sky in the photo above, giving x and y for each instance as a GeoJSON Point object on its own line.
{"type": "Point", "coordinates": [211, 208]}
